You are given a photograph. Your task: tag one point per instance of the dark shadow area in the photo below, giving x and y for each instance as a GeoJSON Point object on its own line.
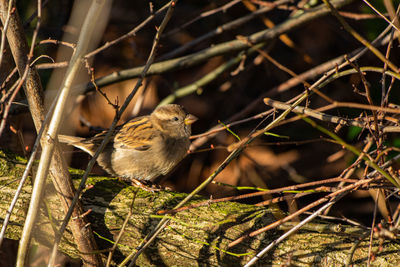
{"type": "Point", "coordinates": [106, 189]}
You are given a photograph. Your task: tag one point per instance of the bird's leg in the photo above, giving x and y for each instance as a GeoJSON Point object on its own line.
{"type": "Point", "coordinates": [146, 185]}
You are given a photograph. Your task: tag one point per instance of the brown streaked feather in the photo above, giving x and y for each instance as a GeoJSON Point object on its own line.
{"type": "Point", "coordinates": [98, 138]}
{"type": "Point", "coordinates": [133, 136]}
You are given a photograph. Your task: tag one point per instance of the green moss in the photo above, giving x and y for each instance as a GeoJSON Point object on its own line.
{"type": "Point", "coordinates": [11, 165]}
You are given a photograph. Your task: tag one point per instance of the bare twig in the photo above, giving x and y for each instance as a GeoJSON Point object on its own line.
{"type": "Point", "coordinates": [129, 34]}
{"type": "Point", "coordinates": [372, 228]}
{"type": "Point", "coordinates": [385, 93]}
{"type": "Point", "coordinates": [30, 56]}
{"type": "Point", "coordinates": [330, 118]}
{"type": "Point", "coordinates": [367, 94]}
{"type": "Point", "coordinates": [293, 230]}
{"type": "Point", "coordinates": [121, 232]}
{"type": "Point", "coordinates": [300, 211]}
{"type": "Point", "coordinates": [13, 91]}
{"type": "Point", "coordinates": [359, 38]}
{"type": "Point", "coordinates": [367, 158]}
{"type": "Point", "coordinates": [258, 194]}
{"type": "Point", "coordinates": [35, 14]}
{"type": "Point", "coordinates": [358, 16]}
{"type": "Point", "coordinates": [221, 29]}
{"type": "Point", "coordinates": [191, 88]}
{"type": "Point", "coordinates": [203, 15]}
{"type": "Point", "coordinates": [44, 66]}
{"type": "Point", "coordinates": [381, 15]}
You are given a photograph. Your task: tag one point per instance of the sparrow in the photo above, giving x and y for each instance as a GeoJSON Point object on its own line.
{"type": "Point", "coordinates": [143, 148]}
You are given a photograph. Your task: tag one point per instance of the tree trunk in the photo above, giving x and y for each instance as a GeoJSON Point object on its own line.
{"type": "Point", "coordinates": [198, 236]}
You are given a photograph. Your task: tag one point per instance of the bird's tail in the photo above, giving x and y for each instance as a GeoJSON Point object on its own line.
{"type": "Point", "coordinates": [78, 142]}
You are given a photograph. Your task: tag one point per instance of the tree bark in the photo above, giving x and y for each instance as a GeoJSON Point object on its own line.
{"type": "Point", "coordinates": [194, 237]}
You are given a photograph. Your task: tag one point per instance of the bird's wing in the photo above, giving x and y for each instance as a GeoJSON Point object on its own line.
{"type": "Point", "coordinates": [137, 134]}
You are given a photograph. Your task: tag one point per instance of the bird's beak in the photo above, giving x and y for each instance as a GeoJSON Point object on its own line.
{"type": "Point", "coordinates": [190, 119]}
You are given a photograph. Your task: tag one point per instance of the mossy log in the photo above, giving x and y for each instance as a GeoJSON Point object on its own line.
{"type": "Point", "coordinates": [194, 237]}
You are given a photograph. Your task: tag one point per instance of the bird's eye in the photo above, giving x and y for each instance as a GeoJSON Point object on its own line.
{"type": "Point", "coordinates": [175, 119]}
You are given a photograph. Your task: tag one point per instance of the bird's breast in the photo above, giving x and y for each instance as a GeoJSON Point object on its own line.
{"type": "Point", "coordinates": [158, 160]}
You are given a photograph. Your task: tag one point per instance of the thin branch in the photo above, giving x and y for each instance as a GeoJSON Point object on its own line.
{"type": "Point", "coordinates": [13, 90]}
{"type": "Point", "coordinates": [358, 16]}
{"type": "Point", "coordinates": [129, 34]}
{"type": "Point", "coordinates": [381, 15]}
{"type": "Point", "coordinates": [203, 15]}
{"type": "Point", "coordinates": [293, 230]}
{"type": "Point", "coordinates": [121, 232]}
{"type": "Point", "coordinates": [372, 228]}
{"type": "Point", "coordinates": [258, 194]}
{"type": "Point", "coordinates": [206, 79]}
{"type": "Point", "coordinates": [41, 66]}
{"type": "Point", "coordinates": [57, 65]}
{"type": "Point", "coordinates": [359, 38]}
{"type": "Point", "coordinates": [221, 29]}
{"type": "Point", "coordinates": [385, 93]}
{"type": "Point", "coordinates": [329, 118]}
{"type": "Point", "coordinates": [368, 160]}
{"type": "Point", "coordinates": [300, 211]}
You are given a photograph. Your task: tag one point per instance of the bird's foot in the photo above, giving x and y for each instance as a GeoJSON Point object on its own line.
{"type": "Point", "coordinates": [146, 185]}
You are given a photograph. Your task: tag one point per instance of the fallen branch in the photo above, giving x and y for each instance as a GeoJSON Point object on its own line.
{"type": "Point", "coordinates": [193, 237]}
